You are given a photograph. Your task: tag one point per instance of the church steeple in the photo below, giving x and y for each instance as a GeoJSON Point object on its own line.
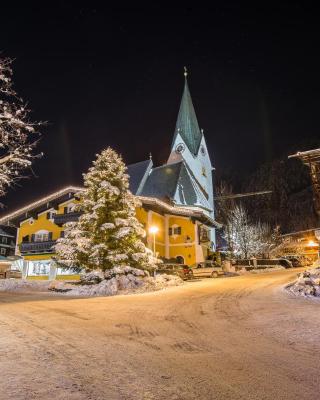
{"type": "Point", "coordinates": [187, 124]}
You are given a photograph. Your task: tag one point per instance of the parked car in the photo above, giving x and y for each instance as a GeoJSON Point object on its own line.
{"type": "Point", "coordinates": [285, 263]}
{"type": "Point", "coordinates": [207, 269]}
{"type": "Point", "coordinates": [181, 270]}
{"type": "Point", "coordinates": [295, 261]}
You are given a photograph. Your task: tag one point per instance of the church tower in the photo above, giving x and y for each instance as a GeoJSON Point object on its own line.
{"type": "Point", "coordinates": [189, 146]}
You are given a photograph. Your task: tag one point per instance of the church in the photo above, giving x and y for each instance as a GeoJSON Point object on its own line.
{"type": "Point", "coordinates": [177, 203]}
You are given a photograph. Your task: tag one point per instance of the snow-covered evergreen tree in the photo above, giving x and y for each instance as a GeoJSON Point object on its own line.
{"type": "Point", "coordinates": [108, 233]}
{"type": "Point", "coordinates": [16, 131]}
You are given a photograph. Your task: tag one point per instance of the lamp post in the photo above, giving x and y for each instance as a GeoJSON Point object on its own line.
{"type": "Point", "coordinates": [154, 230]}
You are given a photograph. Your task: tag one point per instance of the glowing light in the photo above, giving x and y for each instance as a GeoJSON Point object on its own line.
{"type": "Point", "coordinates": [311, 243]}
{"type": "Point", "coordinates": [153, 229]}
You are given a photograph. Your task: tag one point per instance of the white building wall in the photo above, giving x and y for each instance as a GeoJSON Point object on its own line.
{"type": "Point", "coordinates": [196, 165]}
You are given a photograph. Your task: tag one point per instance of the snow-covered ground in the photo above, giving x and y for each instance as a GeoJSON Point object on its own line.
{"type": "Point", "coordinates": [22, 285]}
{"type": "Point", "coordinates": [243, 271]}
{"type": "Point", "coordinates": [307, 283]}
{"type": "Point", "coordinates": [241, 338]}
{"type": "Point", "coordinates": [112, 282]}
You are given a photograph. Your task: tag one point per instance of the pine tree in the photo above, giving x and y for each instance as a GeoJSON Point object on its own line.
{"type": "Point", "coordinates": [108, 233]}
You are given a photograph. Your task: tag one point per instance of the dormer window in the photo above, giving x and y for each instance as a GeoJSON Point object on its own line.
{"type": "Point", "coordinates": [51, 214]}
{"type": "Point", "coordinates": [69, 208]}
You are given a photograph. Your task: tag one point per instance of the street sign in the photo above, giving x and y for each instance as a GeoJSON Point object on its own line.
{"type": "Point", "coordinates": [317, 234]}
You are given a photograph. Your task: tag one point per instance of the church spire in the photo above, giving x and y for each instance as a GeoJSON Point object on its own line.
{"type": "Point", "coordinates": [187, 124]}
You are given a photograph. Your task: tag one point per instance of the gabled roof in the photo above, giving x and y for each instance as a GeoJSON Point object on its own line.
{"type": "Point", "coordinates": [187, 124]}
{"type": "Point", "coordinates": [175, 182]}
{"type": "Point", "coordinates": [138, 174]}
{"type": "Point", "coordinates": [40, 204]}
{"type": "Point", "coordinates": [162, 181]}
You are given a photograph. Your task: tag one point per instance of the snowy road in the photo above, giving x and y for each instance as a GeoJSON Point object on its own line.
{"type": "Point", "coordinates": [237, 338]}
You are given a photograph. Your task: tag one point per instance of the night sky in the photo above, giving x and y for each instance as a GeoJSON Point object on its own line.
{"type": "Point", "coordinates": [114, 77]}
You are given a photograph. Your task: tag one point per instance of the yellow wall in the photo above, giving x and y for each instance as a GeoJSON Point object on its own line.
{"type": "Point", "coordinates": [180, 245]}
{"type": "Point", "coordinates": [42, 223]}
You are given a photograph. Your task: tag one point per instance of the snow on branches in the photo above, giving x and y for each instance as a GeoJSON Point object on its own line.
{"type": "Point", "coordinates": [246, 239]}
{"type": "Point", "coordinates": [108, 233]}
{"type": "Point", "coordinates": [16, 131]}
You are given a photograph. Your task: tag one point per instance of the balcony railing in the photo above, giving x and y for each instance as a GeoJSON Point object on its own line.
{"type": "Point", "coordinates": [37, 247]}
{"type": "Point", "coordinates": [61, 219]}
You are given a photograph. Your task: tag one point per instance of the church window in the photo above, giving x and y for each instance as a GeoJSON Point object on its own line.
{"type": "Point", "coordinates": [204, 172]}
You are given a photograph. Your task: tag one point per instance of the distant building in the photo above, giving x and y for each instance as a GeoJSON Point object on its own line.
{"type": "Point", "coordinates": [302, 242]}
{"type": "Point", "coordinates": [7, 241]}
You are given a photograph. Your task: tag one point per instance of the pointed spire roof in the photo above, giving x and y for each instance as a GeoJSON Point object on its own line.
{"type": "Point", "coordinates": [187, 124]}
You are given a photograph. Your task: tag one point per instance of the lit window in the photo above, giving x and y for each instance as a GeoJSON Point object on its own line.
{"type": "Point", "coordinates": [42, 236]}
{"type": "Point", "coordinates": [3, 251]}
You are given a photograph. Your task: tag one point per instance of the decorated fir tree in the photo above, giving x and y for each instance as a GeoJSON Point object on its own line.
{"type": "Point", "coordinates": [108, 233]}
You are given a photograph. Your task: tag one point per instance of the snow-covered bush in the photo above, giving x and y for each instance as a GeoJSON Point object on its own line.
{"type": "Point", "coordinates": [117, 281]}
{"type": "Point", "coordinates": [17, 133]}
{"type": "Point", "coordinates": [108, 233]}
{"type": "Point", "coordinates": [307, 284]}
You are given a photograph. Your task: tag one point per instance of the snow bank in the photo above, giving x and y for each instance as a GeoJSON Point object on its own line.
{"type": "Point", "coordinates": [116, 281]}
{"type": "Point", "coordinates": [307, 284]}
{"type": "Point", "coordinates": [244, 271]}
{"type": "Point", "coordinates": [14, 285]}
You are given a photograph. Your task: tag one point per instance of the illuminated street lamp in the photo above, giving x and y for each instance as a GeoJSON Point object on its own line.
{"type": "Point", "coordinates": [154, 230]}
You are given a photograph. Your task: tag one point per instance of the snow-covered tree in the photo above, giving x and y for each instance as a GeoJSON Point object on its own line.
{"type": "Point", "coordinates": [246, 239]}
{"type": "Point", "coordinates": [108, 233]}
{"type": "Point", "coordinates": [16, 131]}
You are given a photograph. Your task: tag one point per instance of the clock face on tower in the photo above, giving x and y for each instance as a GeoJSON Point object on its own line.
{"type": "Point", "coordinates": [180, 148]}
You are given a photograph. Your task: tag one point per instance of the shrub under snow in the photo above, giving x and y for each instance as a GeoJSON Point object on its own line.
{"type": "Point", "coordinates": [116, 281]}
